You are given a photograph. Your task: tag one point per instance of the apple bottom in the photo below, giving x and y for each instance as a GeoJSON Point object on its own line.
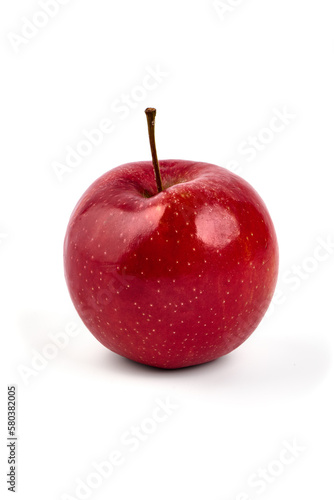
{"type": "Point", "coordinates": [170, 324]}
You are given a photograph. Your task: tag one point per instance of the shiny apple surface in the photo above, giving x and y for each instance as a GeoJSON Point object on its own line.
{"type": "Point", "coordinates": [172, 279]}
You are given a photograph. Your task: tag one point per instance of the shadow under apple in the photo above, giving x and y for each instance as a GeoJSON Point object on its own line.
{"type": "Point", "coordinates": [276, 367]}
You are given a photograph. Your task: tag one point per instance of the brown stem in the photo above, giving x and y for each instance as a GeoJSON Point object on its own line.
{"type": "Point", "coordinates": [150, 115]}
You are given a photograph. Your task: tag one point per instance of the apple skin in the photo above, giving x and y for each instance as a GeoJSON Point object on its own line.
{"type": "Point", "coordinates": [175, 278]}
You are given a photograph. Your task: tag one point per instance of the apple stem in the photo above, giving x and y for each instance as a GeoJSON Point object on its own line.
{"type": "Point", "coordinates": [150, 115]}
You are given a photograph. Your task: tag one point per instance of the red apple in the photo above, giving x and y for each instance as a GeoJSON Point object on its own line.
{"type": "Point", "coordinates": [173, 270]}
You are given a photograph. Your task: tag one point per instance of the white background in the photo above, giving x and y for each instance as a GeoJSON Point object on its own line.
{"type": "Point", "coordinates": [224, 75]}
